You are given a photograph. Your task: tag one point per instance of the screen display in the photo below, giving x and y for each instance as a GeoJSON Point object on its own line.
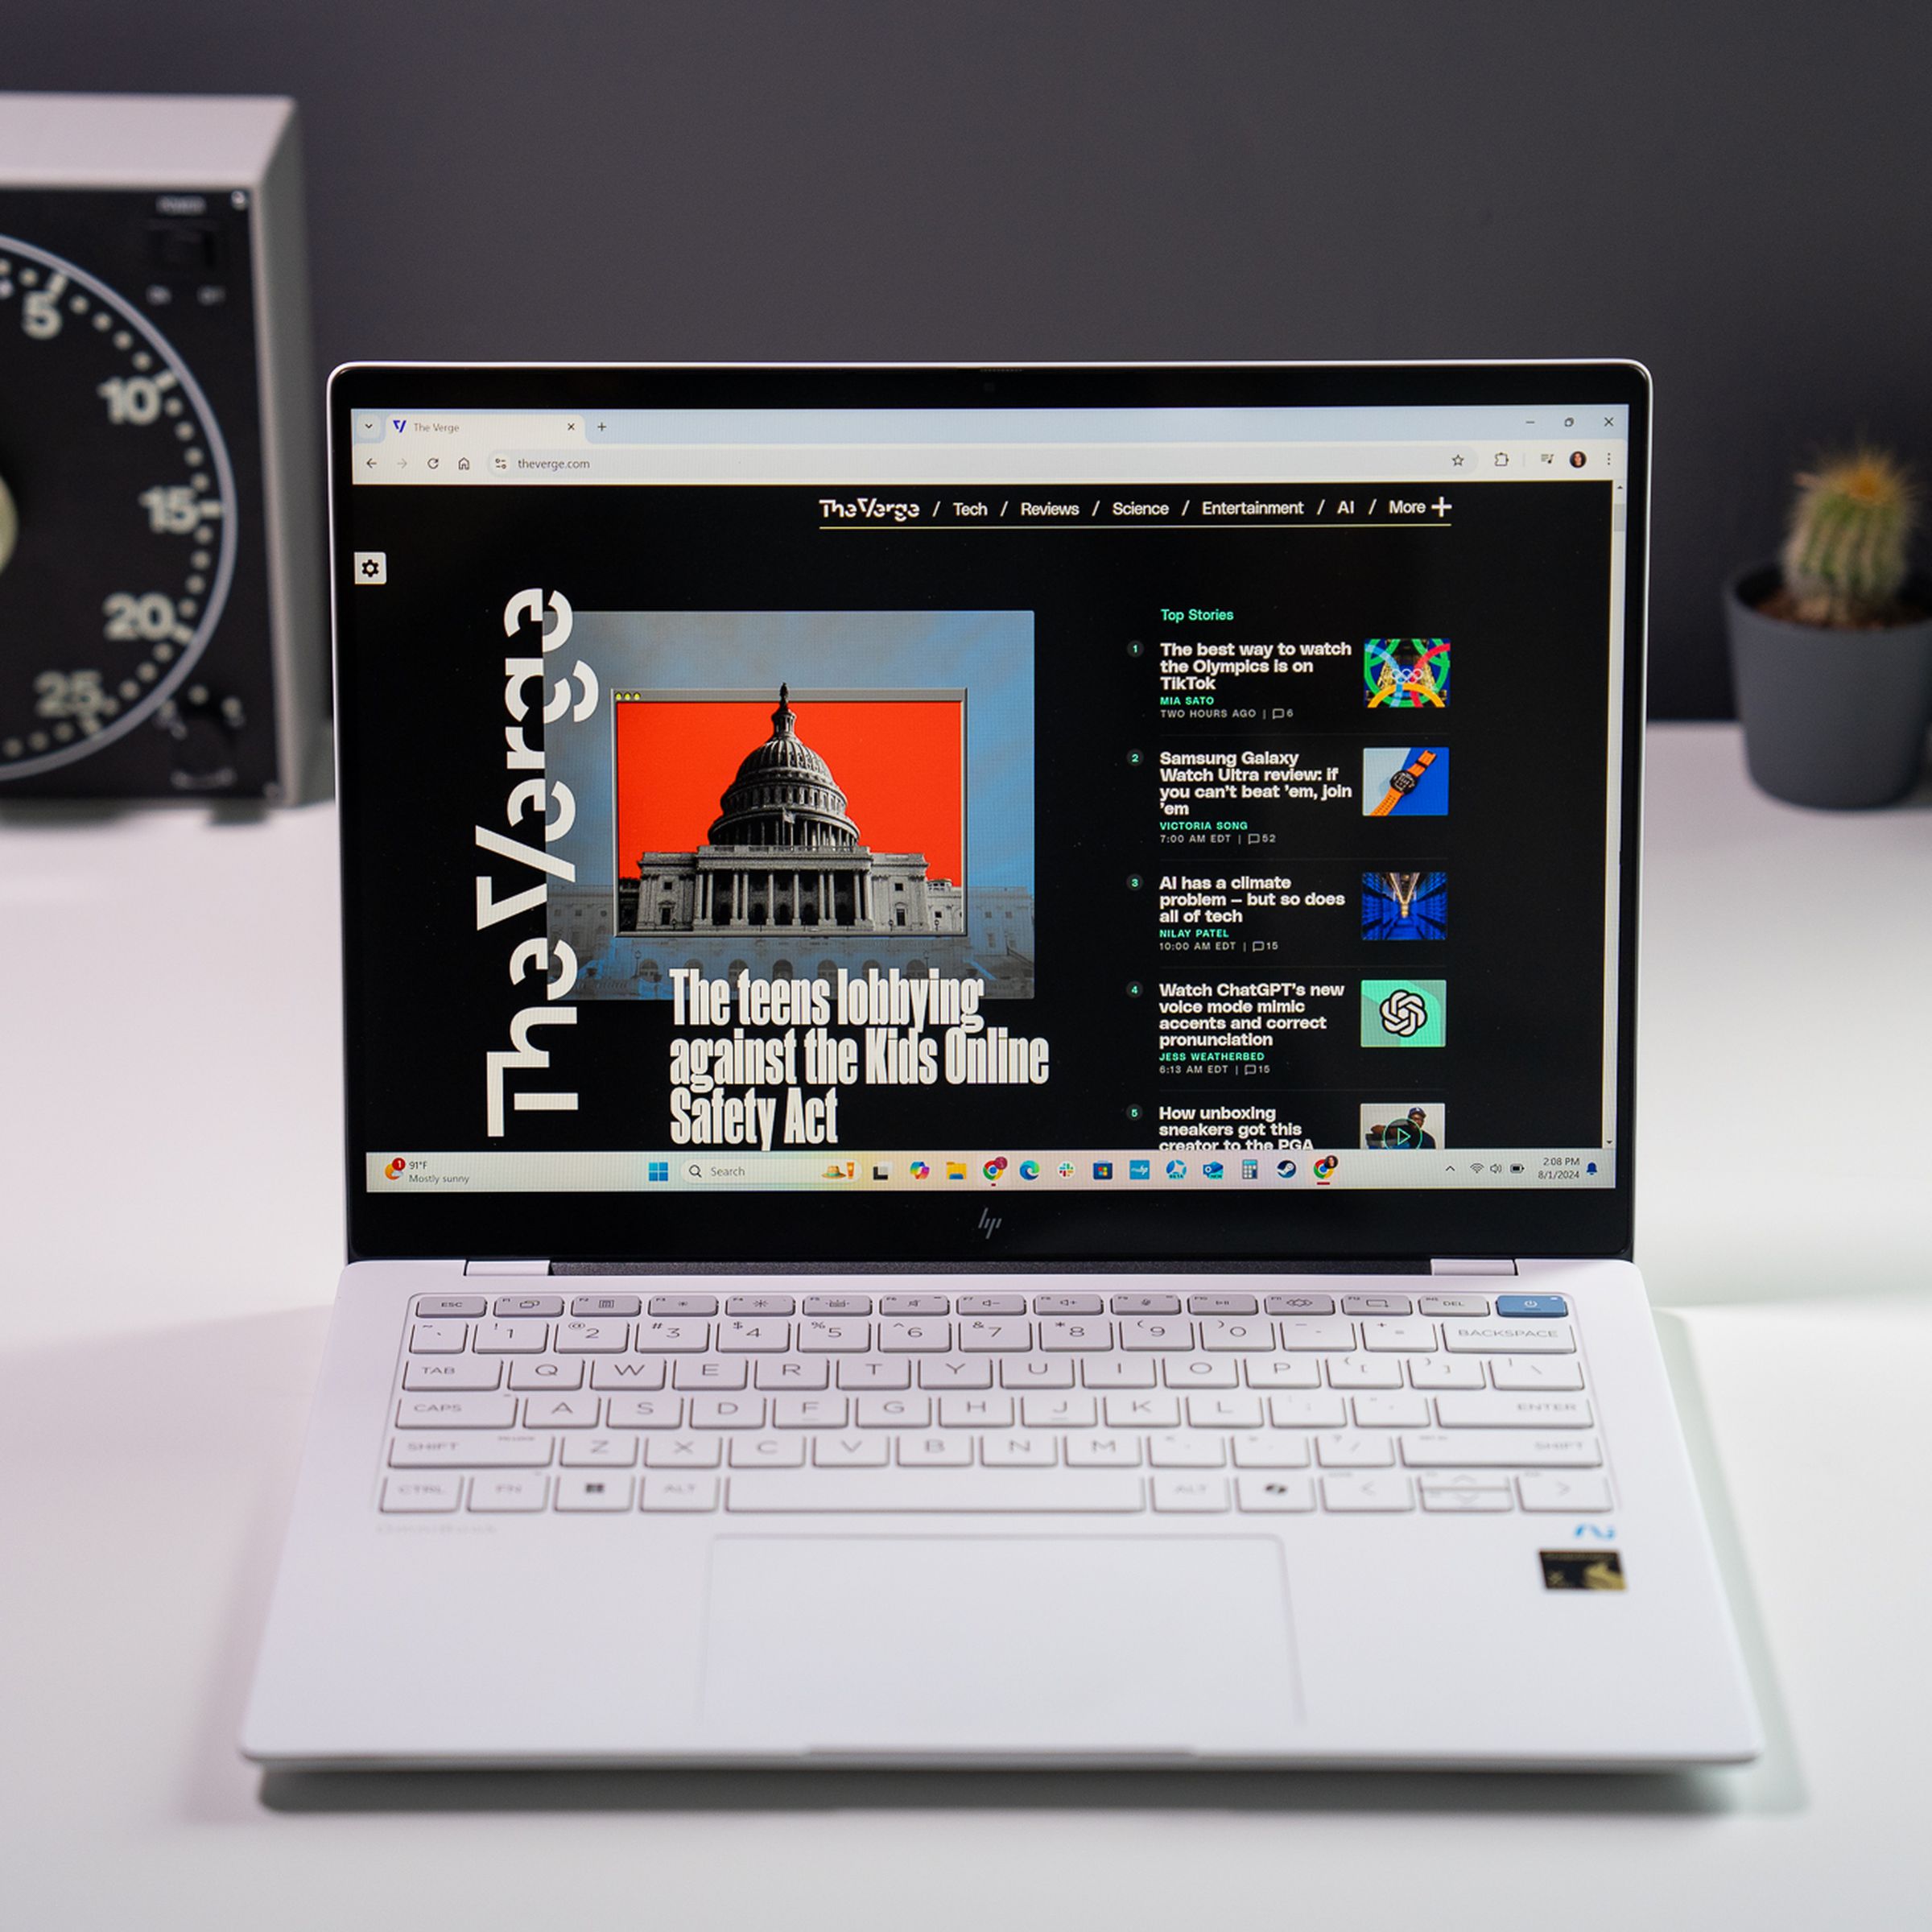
{"type": "Point", "coordinates": [753, 805]}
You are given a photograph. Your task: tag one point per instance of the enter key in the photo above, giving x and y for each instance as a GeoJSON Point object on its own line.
{"type": "Point", "coordinates": [1502, 1409]}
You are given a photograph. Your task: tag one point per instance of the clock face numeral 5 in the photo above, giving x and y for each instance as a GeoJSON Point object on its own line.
{"type": "Point", "coordinates": [125, 512]}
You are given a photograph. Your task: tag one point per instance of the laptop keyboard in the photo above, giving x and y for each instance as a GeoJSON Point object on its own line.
{"type": "Point", "coordinates": [1011, 1402]}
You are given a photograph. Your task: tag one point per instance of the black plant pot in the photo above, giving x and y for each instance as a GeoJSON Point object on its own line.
{"type": "Point", "coordinates": [1832, 718]}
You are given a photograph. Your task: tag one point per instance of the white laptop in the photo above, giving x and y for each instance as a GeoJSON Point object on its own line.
{"type": "Point", "coordinates": [989, 1043]}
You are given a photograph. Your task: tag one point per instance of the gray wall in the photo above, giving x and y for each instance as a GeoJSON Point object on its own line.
{"type": "Point", "coordinates": [1733, 192]}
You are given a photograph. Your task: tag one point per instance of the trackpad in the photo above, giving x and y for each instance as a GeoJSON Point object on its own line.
{"type": "Point", "coordinates": [992, 1643]}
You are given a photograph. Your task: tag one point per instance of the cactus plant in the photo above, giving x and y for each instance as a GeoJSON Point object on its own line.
{"type": "Point", "coordinates": [1845, 559]}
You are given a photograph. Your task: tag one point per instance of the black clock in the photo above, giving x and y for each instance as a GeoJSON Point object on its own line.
{"type": "Point", "coordinates": [161, 620]}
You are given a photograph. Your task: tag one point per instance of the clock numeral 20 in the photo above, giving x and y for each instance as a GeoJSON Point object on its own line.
{"type": "Point", "coordinates": [129, 618]}
{"type": "Point", "coordinates": [173, 509]}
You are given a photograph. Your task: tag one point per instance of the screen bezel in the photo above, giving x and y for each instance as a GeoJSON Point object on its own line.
{"type": "Point", "coordinates": [1179, 1230]}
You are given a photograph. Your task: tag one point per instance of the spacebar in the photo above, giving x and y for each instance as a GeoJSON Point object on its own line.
{"type": "Point", "coordinates": [942, 1491]}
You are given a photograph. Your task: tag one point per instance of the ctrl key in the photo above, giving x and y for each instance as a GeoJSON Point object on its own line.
{"type": "Point", "coordinates": [420, 1495]}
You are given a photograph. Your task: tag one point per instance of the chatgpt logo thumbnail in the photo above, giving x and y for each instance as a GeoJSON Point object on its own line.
{"type": "Point", "coordinates": [1405, 1012]}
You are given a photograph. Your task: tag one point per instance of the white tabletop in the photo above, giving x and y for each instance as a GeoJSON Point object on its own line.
{"type": "Point", "coordinates": [170, 1148]}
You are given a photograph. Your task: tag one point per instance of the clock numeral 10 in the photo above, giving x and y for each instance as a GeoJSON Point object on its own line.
{"type": "Point", "coordinates": [129, 616]}
{"type": "Point", "coordinates": [135, 399]}
{"type": "Point", "coordinates": [173, 509]}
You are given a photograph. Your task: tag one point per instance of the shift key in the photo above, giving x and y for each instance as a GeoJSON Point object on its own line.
{"type": "Point", "coordinates": [518, 1451]}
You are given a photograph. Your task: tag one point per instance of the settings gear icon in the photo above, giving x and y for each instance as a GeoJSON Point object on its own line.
{"type": "Point", "coordinates": [1405, 1013]}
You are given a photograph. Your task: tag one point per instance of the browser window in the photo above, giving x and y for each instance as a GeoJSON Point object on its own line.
{"type": "Point", "coordinates": [936, 800]}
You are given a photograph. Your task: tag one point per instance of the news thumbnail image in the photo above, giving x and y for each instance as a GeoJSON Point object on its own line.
{"type": "Point", "coordinates": [1405, 673]}
{"type": "Point", "coordinates": [1405, 905]}
{"type": "Point", "coordinates": [788, 793]}
{"type": "Point", "coordinates": [1404, 782]}
{"type": "Point", "coordinates": [1403, 1126]}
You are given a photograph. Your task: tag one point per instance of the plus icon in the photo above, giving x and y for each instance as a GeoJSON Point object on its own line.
{"type": "Point", "coordinates": [1440, 506]}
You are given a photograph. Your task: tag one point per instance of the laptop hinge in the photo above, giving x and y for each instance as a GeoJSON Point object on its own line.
{"type": "Point", "coordinates": [1471, 1265]}
{"type": "Point", "coordinates": [506, 1267]}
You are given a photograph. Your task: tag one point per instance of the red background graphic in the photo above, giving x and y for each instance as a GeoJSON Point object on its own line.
{"type": "Point", "coordinates": [899, 761]}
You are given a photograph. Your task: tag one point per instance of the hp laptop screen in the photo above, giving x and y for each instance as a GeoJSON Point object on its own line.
{"type": "Point", "coordinates": [923, 814]}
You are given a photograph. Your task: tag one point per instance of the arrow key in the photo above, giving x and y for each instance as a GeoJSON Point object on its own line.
{"type": "Point", "coordinates": [1564, 1495]}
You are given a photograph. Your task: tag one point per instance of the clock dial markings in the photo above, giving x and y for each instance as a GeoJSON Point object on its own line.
{"type": "Point", "coordinates": [78, 407]}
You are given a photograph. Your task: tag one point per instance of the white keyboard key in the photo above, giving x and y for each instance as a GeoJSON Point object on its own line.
{"type": "Point", "coordinates": [1315, 1333]}
{"type": "Point", "coordinates": [1500, 1449]}
{"type": "Point", "coordinates": [870, 1372]}
{"type": "Point", "coordinates": [1166, 1333]}
{"type": "Point", "coordinates": [760, 1336]}
{"type": "Point", "coordinates": [727, 1412]}
{"type": "Point", "coordinates": [593, 1338]}
{"type": "Point", "coordinates": [420, 1495]}
{"type": "Point", "coordinates": [527, 1305]}
{"type": "Point", "coordinates": [681, 1495]}
{"type": "Point", "coordinates": [987, 1411]}
{"type": "Point", "coordinates": [1076, 1332]}
{"type": "Point", "coordinates": [1201, 1371]}
{"type": "Point", "coordinates": [1036, 1371]}
{"type": "Point", "coordinates": [1118, 1372]}
{"type": "Point", "coordinates": [1190, 1495]}
{"type": "Point", "coordinates": [1351, 1493]}
{"type": "Point", "coordinates": [516, 1492]}
{"type": "Point", "coordinates": [477, 1451]}
{"type": "Point", "coordinates": [953, 1373]}
{"type": "Point", "coordinates": [1274, 1494]}
{"type": "Point", "coordinates": [645, 1411]}
{"type": "Point", "coordinates": [1453, 1304]}
{"type": "Point", "coordinates": [463, 1372]}
{"type": "Point", "coordinates": [1375, 1304]}
{"type": "Point", "coordinates": [636, 1372]}
{"type": "Point", "coordinates": [1529, 1372]}
{"type": "Point", "coordinates": [584, 1494]}
{"type": "Point", "coordinates": [1113, 1450]}
{"type": "Point", "coordinates": [457, 1412]}
{"type": "Point", "coordinates": [1465, 1502]}
{"type": "Point", "coordinates": [1508, 1338]}
{"type": "Point", "coordinates": [1183, 1449]}
{"type": "Point", "coordinates": [1384, 1337]}
{"type": "Point", "coordinates": [1283, 1371]}
{"type": "Point", "coordinates": [1445, 1372]}
{"type": "Point", "coordinates": [1242, 1331]}
{"type": "Point", "coordinates": [1224, 1411]}
{"type": "Point", "coordinates": [549, 1372]}
{"type": "Point", "coordinates": [599, 1452]}
{"type": "Point", "coordinates": [791, 1373]}
{"type": "Point", "coordinates": [1019, 1451]}
{"type": "Point", "coordinates": [684, 1451]}
{"type": "Point", "coordinates": [601, 1307]}
{"type": "Point", "coordinates": [710, 1372]}
{"type": "Point", "coordinates": [767, 1451]}
{"type": "Point", "coordinates": [1513, 1411]}
{"type": "Point", "coordinates": [935, 1452]}
{"type": "Point", "coordinates": [510, 1338]}
{"type": "Point", "coordinates": [832, 1334]}
{"type": "Point", "coordinates": [810, 1411]}
{"type": "Point", "coordinates": [1402, 1410]}
{"type": "Point", "coordinates": [915, 1337]}
{"type": "Point", "coordinates": [940, 1492]}
{"type": "Point", "coordinates": [893, 1411]}
{"type": "Point", "coordinates": [1351, 1449]}
{"type": "Point", "coordinates": [675, 1336]}
{"type": "Point", "coordinates": [851, 1452]}
{"type": "Point", "coordinates": [561, 1412]}
{"type": "Point", "coordinates": [1307, 1411]}
{"type": "Point", "coordinates": [1059, 1411]}
{"type": "Point", "coordinates": [455, 1306]}
{"type": "Point", "coordinates": [996, 1334]}
{"type": "Point", "coordinates": [438, 1338]}
{"type": "Point", "coordinates": [1364, 1371]}
{"type": "Point", "coordinates": [1270, 1449]}
{"type": "Point", "coordinates": [1562, 1494]}
{"type": "Point", "coordinates": [1143, 1412]}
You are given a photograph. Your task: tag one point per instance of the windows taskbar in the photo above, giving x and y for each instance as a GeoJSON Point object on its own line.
{"type": "Point", "coordinates": [499, 1170]}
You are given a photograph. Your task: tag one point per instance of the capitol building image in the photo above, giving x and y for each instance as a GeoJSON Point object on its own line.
{"type": "Point", "coordinates": [782, 852]}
